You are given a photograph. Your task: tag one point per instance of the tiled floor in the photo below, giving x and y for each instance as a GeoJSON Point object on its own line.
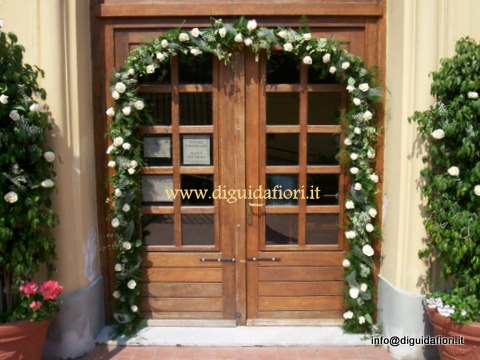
{"type": "Point", "coordinates": [239, 353]}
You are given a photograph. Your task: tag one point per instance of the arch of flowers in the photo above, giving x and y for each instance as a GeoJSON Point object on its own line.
{"type": "Point", "coordinates": [129, 113]}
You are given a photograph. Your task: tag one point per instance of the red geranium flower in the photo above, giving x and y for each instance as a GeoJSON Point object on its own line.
{"type": "Point", "coordinates": [50, 289]}
{"type": "Point", "coordinates": [29, 288]}
{"type": "Point", "coordinates": [35, 305]}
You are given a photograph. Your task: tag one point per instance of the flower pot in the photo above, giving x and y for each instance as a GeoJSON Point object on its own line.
{"type": "Point", "coordinates": [445, 327]}
{"type": "Point", "coordinates": [23, 340]}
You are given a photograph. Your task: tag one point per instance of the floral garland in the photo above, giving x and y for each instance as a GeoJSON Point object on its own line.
{"type": "Point", "coordinates": [129, 113]}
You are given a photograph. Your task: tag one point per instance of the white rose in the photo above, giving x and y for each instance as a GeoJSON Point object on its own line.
{"type": "Point", "coordinates": [345, 65]}
{"type": "Point", "coordinates": [476, 190]}
{"type": "Point", "coordinates": [4, 99]}
{"type": "Point", "coordinates": [126, 146]}
{"type": "Point", "coordinates": [307, 36]}
{"type": "Point", "coordinates": [368, 250]}
{"type": "Point", "coordinates": [288, 47]}
{"type": "Point", "coordinates": [369, 228]}
{"type": "Point", "coordinates": [118, 267]}
{"type": "Point", "coordinates": [371, 154]}
{"type": "Point", "coordinates": [14, 115]}
{"type": "Point", "coordinates": [361, 320]}
{"type": "Point", "coordinates": [438, 134]}
{"type": "Point", "coordinates": [238, 38]}
{"type": "Point", "coordinates": [347, 141]}
{"type": "Point", "coordinates": [195, 32]}
{"type": "Point", "coordinates": [454, 171]}
{"type": "Point", "coordinates": [367, 115]}
{"type": "Point", "coordinates": [183, 37]}
{"type": "Point", "coordinates": [350, 88]}
{"type": "Point", "coordinates": [127, 245]}
{"type": "Point", "coordinates": [111, 164]}
{"type": "Point", "coordinates": [354, 292]}
{"type": "Point", "coordinates": [282, 34]}
{"type": "Point", "coordinates": [251, 25]}
{"type": "Point", "coordinates": [357, 186]}
{"type": "Point", "coordinates": [161, 56]}
{"type": "Point", "coordinates": [110, 112]}
{"type": "Point", "coordinates": [195, 52]}
{"type": "Point", "coordinates": [134, 308]}
{"type": "Point", "coordinates": [332, 70]}
{"type": "Point", "coordinates": [248, 42]}
{"type": "Point", "coordinates": [115, 95]}
{"type": "Point", "coordinates": [354, 156]}
{"type": "Point", "coordinates": [363, 287]}
{"type": "Point", "coordinates": [374, 178]}
{"type": "Point", "coordinates": [164, 43]}
{"type": "Point", "coordinates": [11, 197]}
{"type": "Point", "coordinates": [120, 87]}
{"type": "Point", "coordinates": [131, 72]}
{"type": "Point", "coordinates": [47, 183]}
{"type": "Point", "coordinates": [126, 208]}
{"type": "Point", "coordinates": [357, 101]}
{"type": "Point", "coordinates": [49, 156]}
{"type": "Point", "coordinates": [139, 105]}
{"type": "Point", "coordinates": [115, 223]}
{"type": "Point", "coordinates": [346, 263]}
{"type": "Point", "coordinates": [357, 130]}
{"type": "Point", "coordinates": [307, 60]}
{"type": "Point", "coordinates": [326, 58]}
{"type": "Point", "coordinates": [150, 69]}
{"type": "Point", "coordinates": [118, 141]}
{"type": "Point", "coordinates": [131, 171]}
{"type": "Point", "coordinates": [472, 95]}
{"type": "Point", "coordinates": [354, 170]}
{"type": "Point", "coordinates": [109, 149]}
{"type": "Point", "coordinates": [132, 284]}
{"type": "Point", "coordinates": [372, 212]}
{"type": "Point", "coordinates": [364, 87]}
{"type": "Point", "coordinates": [117, 192]}
{"type": "Point", "coordinates": [116, 294]}
{"type": "Point", "coordinates": [222, 32]}
{"type": "Point", "coordinates": [127, 110]}
{"type": "Point", "coordinates": [35, 107]}
{"type": "Point", "coordinates": [349, 204]}
{"type": "Point", "coordinates": [350, 234]}
{"type": "Point", "coordinates": [348, 315]}
{"type": "Point", "coordinates": [133, 164]}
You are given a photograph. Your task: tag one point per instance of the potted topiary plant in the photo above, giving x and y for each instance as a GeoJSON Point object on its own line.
{"type": "Point", "coordinates": [451, 130]}
{"type": "Point", "coordinates": [27, 220]}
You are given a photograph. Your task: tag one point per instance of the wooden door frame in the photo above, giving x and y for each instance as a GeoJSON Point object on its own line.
{"type": "Point", "coordinates": [108, 18]}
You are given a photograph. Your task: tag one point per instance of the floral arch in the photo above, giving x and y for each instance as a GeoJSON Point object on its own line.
{"type": "Point", "coordinates": [129, 113]}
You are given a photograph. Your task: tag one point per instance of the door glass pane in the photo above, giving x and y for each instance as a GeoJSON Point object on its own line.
{"type": "Point", "coordinates": [195, 109]}
{"type": "Point", "coordinates": [283, 108]}
{"type": "Point", "coordinates": [324, 108]}
{"type": "Point", "coordinates": [161, 76]}
{"type": "Point", "coordinates": [282, 189]}
{"type": "Point", "coordinates": [317, 76]}
{"type": "Point", "coordinates": [198, 229]}
{"type": "Point", "coordinates": [197, 149]}
{"type": "Point", "coordinates": [157, 189]}
{"type": "Point", "coordinates": [195, 69]}
{"type": "Point", "coordinates": [322, 149]}
{"type": "Point", "coordinates": [322, 229]}
{"type": "Point", "coordinates": [282, 68]}
{"type": "Point", "coordinates": [197, 190]}
{"type": "Point", "coordinates": [281, 229]}
{"type": "Point", "coordinates": [157, 229]}
{"type": "Point", "coordinates": [157, 150]}
{"type": "Point", "coordinates": [327, 185]}
{"type": "Point", "coordinates": [161, 107]}
{"type": "Point", "coordinates": [282, 149]}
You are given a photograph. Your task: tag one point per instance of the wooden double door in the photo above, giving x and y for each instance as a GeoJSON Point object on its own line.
{"type": "Point", "coordinates": [238, 134]}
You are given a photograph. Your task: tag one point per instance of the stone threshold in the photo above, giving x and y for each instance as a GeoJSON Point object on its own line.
{"type": "Point", "coordinates": [240, 336]}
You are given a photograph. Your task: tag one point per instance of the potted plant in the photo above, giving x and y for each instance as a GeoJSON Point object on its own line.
{"type": "Point", "coordinates": [27, 220]}
{"type": "Point", "coordinates": [451, 130]}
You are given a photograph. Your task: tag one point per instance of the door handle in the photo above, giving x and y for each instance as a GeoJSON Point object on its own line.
{"type": "Point", "coordinates": [250, 212]}
{"type": "Point", "coordinates": [218, 259]}
{"type": "Point", "coordinates": [264, 259]}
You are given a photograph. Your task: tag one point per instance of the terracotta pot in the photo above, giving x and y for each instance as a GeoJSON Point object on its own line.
{"type": "Point", "coordinates": [23, 340]}
{"type": "Point", "coordinates": [446, 327]}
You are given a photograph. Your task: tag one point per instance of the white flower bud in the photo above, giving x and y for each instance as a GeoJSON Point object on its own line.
{"type": "Point", "coordinates": [117, 192]}
{"type": "Point", "coordinates": [374, 178]}
{"type": "Point", "coordinates": [476, 190]}
{"type": "Point", "coordinates": [150, 69]}
{"type": "Point", "coordinates": [364, 87]}
{"type": "Point", "coordinates": [357, 130]}
{"type": "Point", "coordinates": [345, 65]}
{"type": "Point", "coordinates": [346, 263]}
{"type": "Point", "coordinates": [354, 292]}
{"type": "Point", "coordinates": [307, 36]}
{"type": "Point", "coordinates": [349, 205]}
{"type": "Point", "coordinates": [357, 101]}
{"type": "Point", "coordinates": [238, 38]}
{"type": "Point", "coordinates": [138, 105]}
{"type": "Point", "coordinates": [134, 308]}
{"type": "Point", "coordinates": [367, 115]}
{"type": "Point", "coordinates": [195, 32]}
{"type": "Point", "coordinates": [49, 156]}
{"type": "Point", "coordinates": [133, 164]}
{"type": "Point", "coordinates": [195, 52]}
{"type": "Point", "coordinates": [361, 320]}
{"type": "Point", "coordinates": [35, 107]}
{"type": "Point", "coordinates": [251, 25]}
{"type": "Point", "coordinates": [14, 115]}
{"type": "Point", "coordinates": [131, 72]}
{"type": "Point", "coordinates": [453, 171]}
{"type": "Point", "coordinates": [127, 110]}
{"type": "Point", "coordinates": [347, 141]}
{"type": "Point", "coordinates": [110, 112]}
{"type": "Point", "coordinates": [350, 88]}
{"type": "Point", "coordinates": [120, 87]}
{"type": "Point", "coordinates": [47, 183]}
{"type": "Point", "coordinates": [164, 43]}
{"type": "Point", "coordinates": [248, 42]}
{"type": "Point", "coordinates": [161, 56]}
{"type": "Point", "coordinates": [472, 95]}
{"type": "Point", "coordinates": [354, 170]}
{"type": "Point", "coordinates": [357, 186]}
{"type": "Point", "coordinates": [438, 134]}
{"type": "Point", "coordinates": [132, 284]}
{"type": "Point", "coordinates": [126, 208]}
{"type": "Point", "coordinates": [131, 171]}
{"type": "Point", "coordinates": [354, 156]}
{"type": "Point", "coordinates": [4, 99]}
{"type": "Point", "coordinates": [118, 141]}
{"type": "Point", "coordinates": [307, 60]}
{"type": "Point", "coordinates": [326, 58]}
{"type": "Point", "coordinates": [363, 287]}
{"type": "Point", "coordinates": [368, 250]}
{"type": "Point", "coordinates": [183, 37]}
{"type": "Point", "coordinates": [350, 234]}
{"type": "Point", "coordinates": [115, 223]}
{"type": "Point", "coordinates": [127, 245]}
{"type": "Point", "coordinates": [332, 70]}
{"type": "Point", "coordinates": [287, 47]}
{"type": "Point", "coordinates": [126, 146]}
{"type": "Point", "coordinates": [11, 197]}
{"type": "Point", "coordinates": [222, 32]}
{"type": "Point", "coordinates": [282, 34]}
{"type": "Point", "coordinates": [371, 154]}
{"type": "Point", "coordinates": [118, 267]}
{"type": "Point", "coordinates": [372, 212]}
{"type": "Point", "coordinates": [348, 315]}
{"type": "Point", "coordinates": [369, 228]}
{"type": "Point", "coordinates": [115, 95]}
{"type": "Point", "coordinates": [116, 294]}
{"type": "Point", "coordinates": [111, 164]}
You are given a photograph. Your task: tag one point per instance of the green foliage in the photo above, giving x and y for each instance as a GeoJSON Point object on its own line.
{"type": "Point", "coordinates": [26, 216]}
{"type": "Point", "coordinates": [453, 201]}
